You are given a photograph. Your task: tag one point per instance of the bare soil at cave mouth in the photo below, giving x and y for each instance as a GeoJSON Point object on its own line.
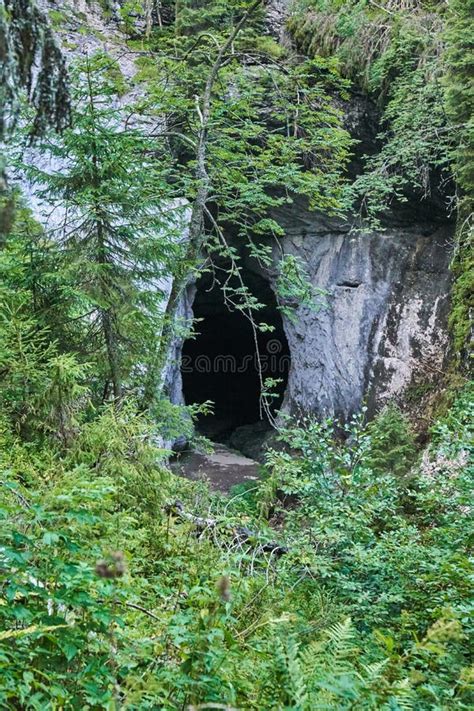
{"type": "Point", "coordinates": [222, 469]}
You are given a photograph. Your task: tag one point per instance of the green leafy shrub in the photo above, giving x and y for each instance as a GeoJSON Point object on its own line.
{"type": "Point", "coordinates": [393, 556]}
{"type": "Point", "coordinates": [114, 599]}
{"type": "Point", "coordinates": [392, 443]}
{"type": "Point", "coordinates": [57, 616]}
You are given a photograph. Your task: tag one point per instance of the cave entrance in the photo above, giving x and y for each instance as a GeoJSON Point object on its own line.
{"type": "Point", "coordinates": [220, 362]}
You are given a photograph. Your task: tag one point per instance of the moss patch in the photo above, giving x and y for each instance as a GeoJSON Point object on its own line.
{"type": "Point", "coordinates": [57, 18]}
{"type": "Point", "coordinates": [460, 319]}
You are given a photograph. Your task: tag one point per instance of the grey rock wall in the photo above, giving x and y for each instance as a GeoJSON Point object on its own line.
{"type": "Point", "coordinates": [277, 12]}
{"type": "Point", "coordinates": [383, 326]}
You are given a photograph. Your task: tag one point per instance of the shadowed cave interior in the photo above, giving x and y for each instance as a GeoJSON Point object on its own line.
{"type": "Point", "coordinates": [220, 363]}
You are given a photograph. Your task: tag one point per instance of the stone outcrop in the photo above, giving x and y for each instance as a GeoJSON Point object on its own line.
{"type": "Point", "coordinates": [381, 326]}
{"type": "Point", "coordinates": [277, 12]}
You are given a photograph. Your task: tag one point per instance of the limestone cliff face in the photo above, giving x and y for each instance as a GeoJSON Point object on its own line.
{"type": "Point", "coordinates": [382, 327]}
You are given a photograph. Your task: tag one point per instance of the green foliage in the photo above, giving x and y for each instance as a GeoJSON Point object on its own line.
{"type": "Point", "coordinates": [460, 317]}
{"type": "Point", "coordinates": [327, 674]}
{"type": "Point", "coordinates": [251, 168]}
{"type": "Point", "coordinates": [101, 581]}
{"type": "Point", "coordinates": [378, 544]}
{"type": "Point", "coordinates": [458, 93]}
{"type": "Point", "coordinates": [192, 17]}
{"type": "Point", "coordinates": [40, 385]}
{"type": "Point", "coordinates": [112, 595]}
{"type": "Point", "coordinates": [128, 12]}
{"type": "Point", "coordinates": [57, 617]}
{"type": "Point", "coordinates": [30, 60]}
{"type": "Point", "coordinates": [294, 288]}
{"type": "Point", "coordinates": [111, 78]}
{"type": "Point", "coordinates": [117, 240]}
{"type": "Point", "coordinates": [415, 60]}
{"type": "Point", "coordinates": [40, 388]}
{"type": "Point", "coordinates": [247, 133]}
{"type": "Point", "coordinates": [396, 54]}
{"type": "Point", "coordinates": [57, 18]}
{"type": "Point", "coordinates": [64, 578]}
{"type": "Point", "coordinates": [459, 89]}
{"type": "Point", "coordinates": [453, 434]}
{"type": "Point", "coordinates": [392, 443]}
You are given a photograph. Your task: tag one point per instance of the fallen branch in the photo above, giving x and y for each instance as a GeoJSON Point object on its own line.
{"type": "Point", "coordinates": [133, 606]}
{"type": "Point", "coordinates": [241, 534]}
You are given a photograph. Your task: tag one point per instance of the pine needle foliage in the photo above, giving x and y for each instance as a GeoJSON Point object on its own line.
{"type": "Point", "coordinates": [117, 234]}
{"type": "Point", "coordinates": [392, 442]}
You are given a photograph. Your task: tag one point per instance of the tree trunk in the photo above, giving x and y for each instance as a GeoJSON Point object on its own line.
{"type": "Point", "coordinates": [107, 318]}
{"type": "Point", "coordinates": [112, 352]}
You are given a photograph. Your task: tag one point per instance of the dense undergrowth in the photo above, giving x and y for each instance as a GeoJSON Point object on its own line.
{"type": "Point", "coordinates": [109, 600]}
{"type": "Point", "coordinates": [342, 580]}
{"type": "Point", "coordinates": [112, 599]}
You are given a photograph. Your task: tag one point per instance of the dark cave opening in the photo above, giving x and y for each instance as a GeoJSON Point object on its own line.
{"type": "Point", "coordinates": [220, 362]}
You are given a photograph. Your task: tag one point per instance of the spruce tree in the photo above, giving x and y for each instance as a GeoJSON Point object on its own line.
{"type": "Point", "coordinates": [117, 229]}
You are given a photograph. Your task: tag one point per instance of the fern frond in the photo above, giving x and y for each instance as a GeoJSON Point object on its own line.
{"type": "Point", "coordinates": [403, 693]}
{"type": "Point", "coordinates": [339, 643]}
{"type": "Point", "coordinates": [313, 657]}
{"type": "Point", "coordinates": [372, 671]}
{"type": "Point", "coordinates": [297, 676]}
